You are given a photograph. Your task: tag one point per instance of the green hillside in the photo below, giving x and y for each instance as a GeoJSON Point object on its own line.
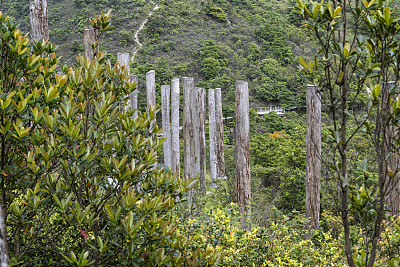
{"type": "Point", "coordinates": [217, 42]}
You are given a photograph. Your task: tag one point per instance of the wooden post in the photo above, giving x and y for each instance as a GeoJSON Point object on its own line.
{"type": "Point", "coordinates": [196, 125]}
{"type": "Point", "coordinates": [134, 96]}
{"type": "Point", "coordinates": [90, 36]}
{"type": "Point", "coordinates": [393, 183]}
{"type": "Point", "coordinates": [201, 109]}
{"type": "Point", "coordinates": [211, 134]}
{"type": "Point", "coordinates": [123, 61]}
{"type": "Point", "coordinates": [151, 91]}
{"type": "Point", "coordinates": [39, 20]}
{"type": "Point", "coordinates": [3, 241]}
{"type": "Point", "coordinates": [175, 100]}
{"type": "Point", "coordinates": [165, 93]}
{"type": "Point", "coordinates": [243, 180]}
{"type": "Point", "coordinates": [188, 132]}
{"type": "Point", "coordinates": [219, 134]}
{"type": "Point", "coordinates": [313, 157]}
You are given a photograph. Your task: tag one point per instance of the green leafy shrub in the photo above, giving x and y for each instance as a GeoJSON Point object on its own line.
{"type": "Point", "coordinates": [77, 47]}
{"type": "Point", "coordinates": [280, 244]}
{"type": "Point", "coordinates": [78, 181]}
{"type": "Point", "coordinates": [210, 67]}
{"type": "Point", "coordinates": [217, 13]}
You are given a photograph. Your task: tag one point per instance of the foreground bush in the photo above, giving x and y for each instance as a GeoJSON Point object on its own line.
{"type": "Point", "coordinates": [79, 184]}
{"type": "Point", "coordinates": [281, 244]}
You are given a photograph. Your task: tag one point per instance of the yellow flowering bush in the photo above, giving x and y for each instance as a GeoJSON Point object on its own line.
{"type": "Point", "coordinates": [280, 244]}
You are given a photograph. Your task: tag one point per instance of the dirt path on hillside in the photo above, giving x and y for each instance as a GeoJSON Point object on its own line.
{"type": "Point", "coordinates": [138, 43]}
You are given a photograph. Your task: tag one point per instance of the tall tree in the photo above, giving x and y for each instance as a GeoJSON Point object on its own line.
{"type": "Point", "coordinates": [357, 50]}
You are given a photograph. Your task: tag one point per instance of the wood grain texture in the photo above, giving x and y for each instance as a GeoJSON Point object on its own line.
{"type": "Point", "coordinates": [212, 136]}
{"type": "Point", "coordinates": [39, 20]}
{"type": "Point", "coordinates": [134, 96]}
{"type": "Point", "coordinates": [219, 134]}
{"type": "Point", "coordinates": [123, 61]}
{"type": "Point", "coordinates": [313, 157]}
{"type": "Point", "coordinates": [165, 96]}
{"type": "Point", "coordinates": [243, 180]}
{"type": "Point", "coordinates": [89, 37]}
{"type": "Point", "coordinates": [196, 125]}
{"type": "Point", "coordinates": [188, 132]}
{"type": "Point", "coordinates": [201, 109]}
{"type": "Point", "coordinates": [393, 162]}
{"type": "Point", "coordinates": [175, 100]}
{"type": "Point", "coordinates": [151, 91]}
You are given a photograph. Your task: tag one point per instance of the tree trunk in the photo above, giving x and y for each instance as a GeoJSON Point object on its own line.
{"type": "Point", "coordinates": [188, 132]}
{"type": "Point", "coordinates": [212, 137]}
{"type": "Point", "coordinates": [165, 93]}
{"type": "Point", "coordinates": [313, 157]}
{"type": "Point", "coordinates": [243, 180]}
{"type": "Point", "coordinates": [39, 20]}
{"type": "Point", "coordinates": [220, 134]}
{"type": "Point", "coordinates": [90, 37]}
{"type": "Point", "coordinates": [201, 109]}
{"type": "Point", "coordinates": [175, 100]}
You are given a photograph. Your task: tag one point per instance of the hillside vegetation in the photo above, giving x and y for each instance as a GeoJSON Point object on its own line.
{"type": "Point", "coordinates": [217, 41]}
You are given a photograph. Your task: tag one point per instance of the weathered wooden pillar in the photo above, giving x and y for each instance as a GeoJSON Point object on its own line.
{"type": "Point", "coordinates": [243, 180]}
{"type": "Point", "coordinates": [201, 109]}
{"type": "Point", "coordinates": [313, 157]}
{"type": "Point", "coordinates": [196, 125]}
{"type": "Point", "coordinates": [219, 134]}
{"type": "Point", "coordinates": [212, 137]}
{"type": "Point", "coordinates": [151, 91]}
{"type": "Point", "coordinates": [134, 96]}
{"type": "Point", "coordinates": [3, 241]}
{"type": "Point", "coordinates": [188, 132]}
{"type": "Point", "coordinates": [393, 183]}
{"type": "Point", "coordinates": [39, 20]}
{"type": "Point", "coordinates": [175, 100]}
{"type": "Point", "coordinates": [90, 37]}
{"type": "Point", "coordinates": [165, 93]}
{"type": "Point", "coordinates": [123, 61]}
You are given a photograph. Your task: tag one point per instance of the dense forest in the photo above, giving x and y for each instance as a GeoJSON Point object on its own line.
{"type": "Point", "coordinates": [112, 207]}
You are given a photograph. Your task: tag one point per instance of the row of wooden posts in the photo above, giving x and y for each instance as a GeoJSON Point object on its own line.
{"type": "Point", "coordinates": [194, 129]}
{"type": "Point", "coordinates": [194, 120]}
{"type": "Point", "coordinates": [194, 124]}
